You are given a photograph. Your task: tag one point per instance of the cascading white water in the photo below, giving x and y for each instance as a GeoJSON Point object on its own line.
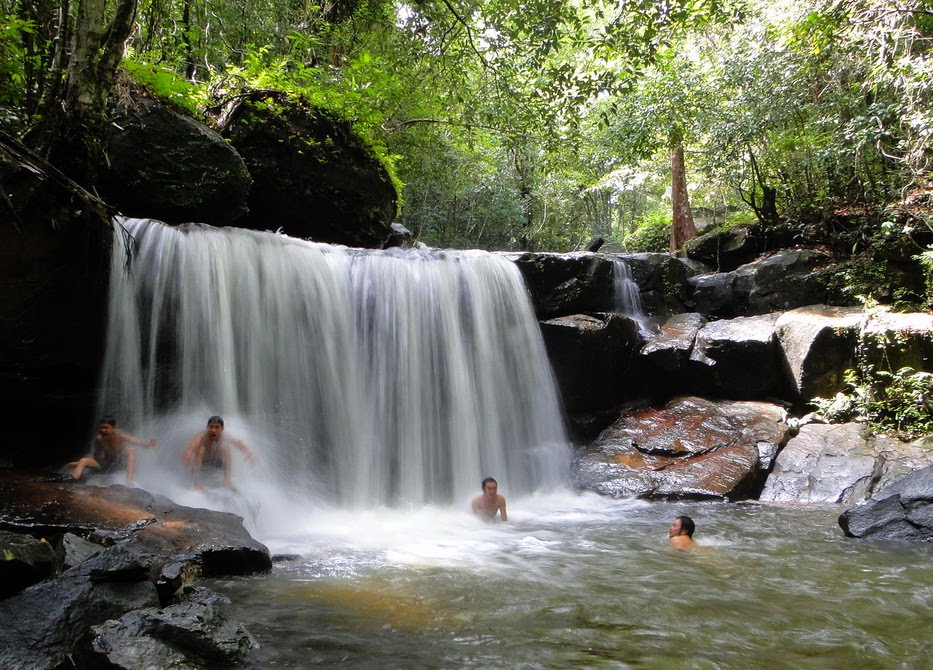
{"type": "Point", "coordinates": [396, 377]}
{"type": "Point", "coordinates": [626, 296]}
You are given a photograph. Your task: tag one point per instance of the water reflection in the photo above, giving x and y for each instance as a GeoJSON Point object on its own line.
{"type": "Point", "coordinates": [581, 581]}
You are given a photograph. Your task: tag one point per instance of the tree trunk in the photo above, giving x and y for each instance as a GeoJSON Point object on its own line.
{"type": "Point", "coordinates": [682, 227]}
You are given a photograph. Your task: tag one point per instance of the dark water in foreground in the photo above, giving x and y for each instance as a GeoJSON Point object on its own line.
{"type": "Point", "coordinates": [586, 582]}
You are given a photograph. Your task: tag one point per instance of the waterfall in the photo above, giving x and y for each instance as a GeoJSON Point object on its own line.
{"type": "Point", "coordinates": [368, 377]}
{"type": "Point", "coordinates": [626, 296]}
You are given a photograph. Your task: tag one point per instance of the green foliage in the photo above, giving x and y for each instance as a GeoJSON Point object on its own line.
{"type": "Point", "coordinates": [164, 82]}
{"type": "Point", "coordinates": [925, 259]}
{"type": "Point", "coordinates": [653, 233]}
{"type": "Point", "coordinates": [13, 59]}
{"type": "Point", "coordinates": [898, 400]}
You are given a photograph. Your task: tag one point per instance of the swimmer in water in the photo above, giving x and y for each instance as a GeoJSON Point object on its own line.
{"type": "Point", "coordinates": [489, 502]}
{"type": "Point", "coordinates": [111, 448]}
{"type": "Point", "coordinates": [681, 533]}
{"type": "Point", "coordinates": [212, 447]}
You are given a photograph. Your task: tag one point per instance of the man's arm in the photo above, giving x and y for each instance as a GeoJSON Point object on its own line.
{"type": "Point", "coordinates": [502, 513]}
{"type": "Point", "coordinates": [246, 451]}
{"type": "Point", "coordinates": [132, 439]}
{"type": "Point", "coordinates": [188, 453]}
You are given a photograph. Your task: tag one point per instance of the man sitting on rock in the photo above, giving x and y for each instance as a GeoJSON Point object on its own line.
{"type": "Point", "coordinates": [211, 447]}
{"type": "Point", "coordinates": [681, 533]}
{"type": "Point", "coordinates": [110, 449]}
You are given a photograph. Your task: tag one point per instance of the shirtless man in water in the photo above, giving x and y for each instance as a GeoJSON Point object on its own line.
{"type": "Point", "coordinates": [210, 447]}
{"type": "Point", "coordinates": [489, 502]}
{"type": "Point", "coordinates": [110, 449]}
{"type": "Point", "coordinates": [681, 533]}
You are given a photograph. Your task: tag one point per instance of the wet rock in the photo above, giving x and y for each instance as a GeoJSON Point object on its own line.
{"type": "Point", "coordinates": [40, 626]}
{"type": "Point", "coordinates": [566, 284]}
{"type": "Point", "coordinates": [24, 560]}
{"type": "Point", "coordinates": [691, 448]}
{"type": "Point", "coordinates": [668, 351]}
{"type": "Point", "coordinates": [313, 177]}
{"type": "Point", "coordinates": [816, 344]}
{"type": "Point", "coordinates": [193, 633]}
{"type": "Point", "coordinates": [899, 458]}
{"type": "Point", "coordinates": [165, 165]}
{"type": "Point", "coordinates": [782, 281]}
{"type": "Point", "coordinates": [399, 236]}
{"type": "Point", "coordinates": [903, 511]}
{"type": "Point", "coordinates": [76, 550]}
{"type": "Point", "coordinates": [155, 529]}
{"type": "Point", "coordinates": [824, 464]}
{"type": "Point", "coordinates": [736, 358]}
{"type": "Point", "coordinates": [591, 355]}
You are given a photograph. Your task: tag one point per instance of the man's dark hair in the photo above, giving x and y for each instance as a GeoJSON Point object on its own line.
{"type": "Point", "coordinates": [686, 524]}
{"type": "Point", "coordinates": [487, 480]}
{"type": "Point", "coordinates": [216, 419]}
{"type": "Point", "coordinates": [108, 420]}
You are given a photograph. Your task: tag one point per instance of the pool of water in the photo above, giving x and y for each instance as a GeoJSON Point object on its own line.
{"type": "Point", "coordinates": [580, 581]}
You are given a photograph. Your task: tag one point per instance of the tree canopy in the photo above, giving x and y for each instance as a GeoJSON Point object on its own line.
{"type": "Point", "coordinates": [542, 123]}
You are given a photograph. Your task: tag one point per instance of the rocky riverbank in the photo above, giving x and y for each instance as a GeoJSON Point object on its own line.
{"type": "Point", "coordinates": [106, 577]}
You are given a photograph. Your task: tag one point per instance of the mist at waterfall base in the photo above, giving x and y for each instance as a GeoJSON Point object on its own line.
{"type": "Point", "coordinates": [313, 355]}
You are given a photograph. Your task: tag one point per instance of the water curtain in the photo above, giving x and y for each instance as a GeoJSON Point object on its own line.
{"type": "Point", "coordinates": [378, 377]}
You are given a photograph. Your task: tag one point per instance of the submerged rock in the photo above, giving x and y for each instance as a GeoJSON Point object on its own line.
{"type": "Point", "coordinates": [691, 448]}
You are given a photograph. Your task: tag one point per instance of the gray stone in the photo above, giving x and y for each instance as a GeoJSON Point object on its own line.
{"type": "Point", "coordinates": [903, 513]}
{"type": "Point", "coordinates": [736, 358]}
{"type": "Point", "coordinates": [824, 464]}
{"type": "Point", "coordinates": [669, 350]}
{"type": "Point", "coordinates": [816, 345]}
{"type": "Point", "coordinates": [76, 550]}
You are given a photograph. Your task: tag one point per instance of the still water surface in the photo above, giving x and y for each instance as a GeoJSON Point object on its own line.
{"type": "Point", "coordinates": [580, 581]}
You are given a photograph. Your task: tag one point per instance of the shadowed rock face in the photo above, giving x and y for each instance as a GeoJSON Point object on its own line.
{"type": "Point", "coordinates": [167, 166]}
{"type": "Point", "coordinates": [312, 176]}
{"type": "Point", "coordinates": [736, 358]}
{"type": "Point", "coordinates": [691, 448]}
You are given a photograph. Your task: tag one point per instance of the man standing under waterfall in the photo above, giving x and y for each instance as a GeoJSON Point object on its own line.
{"type": "Point", "coordinates": [211, 447]}
{"type": "Point", "coordinates": [489, 502]}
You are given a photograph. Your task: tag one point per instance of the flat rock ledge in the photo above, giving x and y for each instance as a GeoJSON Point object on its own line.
{"type": "Point", "coordinates": [119, 551]}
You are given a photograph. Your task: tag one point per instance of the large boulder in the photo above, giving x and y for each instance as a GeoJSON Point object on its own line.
{"type": "Point", "coordinates": [824, 464]}
{"type": "Point", "coordinates": [816, 345]}
{"type": "Point", "coordinates": [903, 511]}
{"type": "Point", "coordinates": [691, 448]}
{"type": "Point", "coordinates": [894, 340]}
{"type": "Point", "coordinates": [736, 358]}
{"type": "Point", "coordinates": [165, 165]}
{"type": "Point", "coordinates": [782, 281]}
{"type": "Point", "coordinates": [54, 267]}
{"type": "Point", "coordinates": [725, 250]}
{"type": "Point", "coordinates": [313, 177]}
{"type": "Point", "coordinates": [566, 284]}
{"type": "Point", "coordinates": [842, 464]}
{"type": "Point", "coordinates": [592, 356]}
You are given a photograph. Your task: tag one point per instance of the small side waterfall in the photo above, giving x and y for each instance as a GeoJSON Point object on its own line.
{"type": "Point", "coordinates": [626, 296]}
{"type": "Point", "coordinates": [370, 378]}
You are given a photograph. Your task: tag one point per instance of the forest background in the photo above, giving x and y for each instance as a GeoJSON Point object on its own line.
{"type": "Point", "coordinates": [541, 124]}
